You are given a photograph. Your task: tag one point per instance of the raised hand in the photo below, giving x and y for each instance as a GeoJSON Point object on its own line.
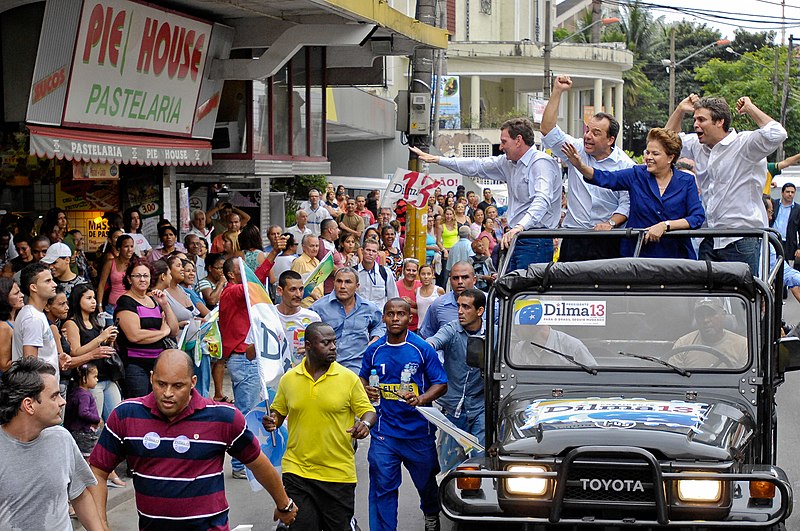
{"type": "Point", "coordinates": [562, 83]}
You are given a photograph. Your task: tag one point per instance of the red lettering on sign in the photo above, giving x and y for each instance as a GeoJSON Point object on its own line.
{"type": "Point", "coordinates": [48, 84]}
{"type": "Point", "coordinates": [172, 47]}
{"type": "Point", "coordinates": [105, 29]}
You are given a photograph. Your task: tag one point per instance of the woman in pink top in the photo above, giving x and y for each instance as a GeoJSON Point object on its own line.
{"type": "Point", "coordinates": [407, 288]}
{"type": "Point", "coordinates": [114, 272]}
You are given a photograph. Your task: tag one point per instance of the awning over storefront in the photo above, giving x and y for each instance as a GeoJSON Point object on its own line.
{"type": "Point", "coordinates": [107, 147]}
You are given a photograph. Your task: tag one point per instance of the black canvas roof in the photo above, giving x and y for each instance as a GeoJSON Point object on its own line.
{"type": "Point", "coordinates": [631, 273]}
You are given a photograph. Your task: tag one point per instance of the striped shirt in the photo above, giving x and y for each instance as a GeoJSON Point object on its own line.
{"type": "Point", "coordinates": [178, 474]}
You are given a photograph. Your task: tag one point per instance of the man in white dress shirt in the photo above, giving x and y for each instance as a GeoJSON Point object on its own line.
{"type": "Point", "coordinates": [730, 171]}
{"type": "Point", "coordinates": [534, 188]}
{"type": "Point", "coordinates": [589, 207]}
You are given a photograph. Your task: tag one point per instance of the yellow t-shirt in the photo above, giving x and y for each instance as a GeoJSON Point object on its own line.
{"type": "Point", "coordinates": [319, 414]}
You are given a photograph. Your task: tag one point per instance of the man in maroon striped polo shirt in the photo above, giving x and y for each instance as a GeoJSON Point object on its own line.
{"type": "Point", "coordinates": [175, 441]}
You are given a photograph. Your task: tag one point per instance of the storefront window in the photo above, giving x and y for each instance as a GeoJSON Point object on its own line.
{"type": "Point", "coordinates": [289, 108]}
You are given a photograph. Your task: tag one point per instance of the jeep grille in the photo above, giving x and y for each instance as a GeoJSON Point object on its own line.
{"type": "Point", "coordinates": [615, 483]}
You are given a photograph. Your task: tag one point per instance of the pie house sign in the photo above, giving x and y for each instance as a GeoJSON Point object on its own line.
{"type": "Point", "coordinates": [136, 68]}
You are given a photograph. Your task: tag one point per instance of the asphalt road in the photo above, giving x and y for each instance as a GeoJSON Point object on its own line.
{"type": "Point", "coordinates": [255, 508]}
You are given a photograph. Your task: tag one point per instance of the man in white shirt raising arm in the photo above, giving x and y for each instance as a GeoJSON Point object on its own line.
{"type": "Point", "coordinates": [589, 207]}
{"type": "Point", "coordinates": [730, 170]}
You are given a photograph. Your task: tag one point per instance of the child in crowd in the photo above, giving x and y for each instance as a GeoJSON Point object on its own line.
{"type": "Point", "coordinates": [80, 416]}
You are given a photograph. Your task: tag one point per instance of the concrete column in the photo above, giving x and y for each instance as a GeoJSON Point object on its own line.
{"type": "Point", "coordinates": [475, 102]}
{"type": "Point", "coordinates": [607, 97]}
{"type": "Point", "coordinates": [598, 95]}
{"type": "Point", "coordinates": [169, 185]}
{"type": "Point", "coordinates": [265, 215]}
{"type": "Point", "coordinates": [574, 115]}
{"type": "Point", "coordinates": [618, 93]}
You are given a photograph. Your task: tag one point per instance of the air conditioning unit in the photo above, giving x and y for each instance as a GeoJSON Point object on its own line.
{"type": "Point", "coordinates": [476, 150]}
{"type": "Point", "coordinates": [226, 138]}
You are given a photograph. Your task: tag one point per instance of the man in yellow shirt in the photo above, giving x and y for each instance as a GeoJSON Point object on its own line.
{"type": "Point", "coordinates": [322, 397]}
{"type": "Point", "coordinates": [305, 265]}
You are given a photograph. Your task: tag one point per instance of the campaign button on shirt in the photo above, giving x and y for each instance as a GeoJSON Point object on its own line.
{"type": "Point", "coordinates": [181, 444]}
{"type": "Point", "coordinates": [151, 440]}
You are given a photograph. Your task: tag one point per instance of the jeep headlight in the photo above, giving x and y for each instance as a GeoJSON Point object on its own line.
{"type": "Point", "coordinates": [699, 490]}
{"type": "Point", "coordinates": [527, 486]}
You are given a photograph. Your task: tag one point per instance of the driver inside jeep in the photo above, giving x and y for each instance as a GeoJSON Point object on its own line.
{"type": "Point", "coordinates": [717, 347]}
{"type": "Point", "coordinates": [542, 345]}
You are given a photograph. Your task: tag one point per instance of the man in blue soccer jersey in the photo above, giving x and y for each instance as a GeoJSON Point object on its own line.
{"type": "Point", "coordinates": [402, 435]}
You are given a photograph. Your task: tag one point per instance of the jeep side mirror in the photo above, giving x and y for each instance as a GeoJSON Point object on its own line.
{"type": "Point", "coordinates": [788, 354]}
{"type": "Point", "coordinates": [475, 352]}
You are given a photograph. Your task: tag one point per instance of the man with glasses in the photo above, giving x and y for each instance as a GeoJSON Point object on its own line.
{"type": "Point", "coordinates": [588, 207]}
{"type": "Point", "coordinates": [376, 282]}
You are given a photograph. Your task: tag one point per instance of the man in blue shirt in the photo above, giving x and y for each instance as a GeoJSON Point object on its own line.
{"type": "Point", "coordinates": [463, 404]}
{"type": "Point", "coordinates": [445, 308]}
{"type": "Point", "coordinates": [402, 435]}
{"type": "Point", "coordinates": [355, 320]}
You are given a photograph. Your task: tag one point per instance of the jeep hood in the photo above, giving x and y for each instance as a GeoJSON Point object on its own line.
{"type": "Point", "coordinates": [672, 428]}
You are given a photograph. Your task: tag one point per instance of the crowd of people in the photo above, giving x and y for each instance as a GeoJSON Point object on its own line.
{"type": "Point", "coordinates": [381, 336]}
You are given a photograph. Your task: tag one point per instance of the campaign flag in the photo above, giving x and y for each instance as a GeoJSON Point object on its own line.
{"type": "Point", "coordinates": [411, 186]}
{"type": "Point", "coordinates": [319, 275]}
{"type": "Point", "coordinates": [272, 444]}
{"type": "Point", "coordinates": [273, 352]}
{"type": "Point", "coordinates": [453, 444]}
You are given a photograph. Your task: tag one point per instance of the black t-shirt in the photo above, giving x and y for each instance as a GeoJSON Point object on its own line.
{"type": "Point", "coordinates": [149, 319]}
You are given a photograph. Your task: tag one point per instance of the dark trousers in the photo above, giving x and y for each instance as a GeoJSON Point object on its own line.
{"type": "Point", "coordinates": [579, 249]}
{"type": "Point", "coordinates": [137, 379]}
{"type": "Point", "coordinates": [323, 505]}
{"type": "Point", "coordinates": [745, 250]}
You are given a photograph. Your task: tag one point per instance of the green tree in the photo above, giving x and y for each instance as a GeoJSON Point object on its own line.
{"type": "Point", "coordinates": [752, 76]}
{"type": "Point", "coordinates": [297, 189]}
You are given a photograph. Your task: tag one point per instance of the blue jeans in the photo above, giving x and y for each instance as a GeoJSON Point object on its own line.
{"type": "Point", "coordinates": [203, 373]}
{"type": "Point", "coordinates": [385, 456]}
{"type": "Point", "coordinates": [530, 251]}
{"type": "Point", "coordinates": [106, 395]}
{"type": "Point", "coordinates": [246, 388]}
{"type": "Point", "coordinates": [745, 250]}
{"type": "Point", "coordinates": [137, 380]}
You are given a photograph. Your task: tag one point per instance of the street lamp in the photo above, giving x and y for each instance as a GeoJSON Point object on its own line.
{"type": "Point", "coordinates": [671, 64]}
{"type": "Point", "coordinates": [548, 44]}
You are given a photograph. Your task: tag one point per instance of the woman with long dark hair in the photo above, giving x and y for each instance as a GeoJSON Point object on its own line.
{"type": "Point", "coordinates": [11, 301]}
{"type": "Point", "coordinates": [132, 223]}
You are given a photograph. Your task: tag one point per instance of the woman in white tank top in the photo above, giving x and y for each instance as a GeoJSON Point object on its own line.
{"type": "Point", "coordinates": [433, 291]}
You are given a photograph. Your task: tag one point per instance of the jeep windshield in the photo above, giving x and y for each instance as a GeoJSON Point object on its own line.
{"type": "Point", "coordinates": [678, 333]}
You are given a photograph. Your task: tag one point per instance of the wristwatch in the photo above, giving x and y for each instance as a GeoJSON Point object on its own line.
{"type": "Point", "coordinates": [289, 508]}
{"type": "Point", "coordinates": [612, 223]}
{"type": "Point", "coordinates": [369, 425]}
{"type": "Point", "coordinates": [667, 224]}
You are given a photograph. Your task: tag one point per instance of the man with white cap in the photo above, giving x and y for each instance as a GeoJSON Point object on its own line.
{"type": "Point", "coordinates": [718, 348]}
{"type": "Point", "coordinates": [58, 257]}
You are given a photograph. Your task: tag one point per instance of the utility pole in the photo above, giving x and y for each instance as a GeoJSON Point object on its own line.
{"type": "Point", "coordinates": [671, 70]}
{"type": "Point", "coordinates": [596, 12]}
{"type": "Point", "coordinates": [548, 47]}
{"type": "Point", "coordinates": [785, 97]}
{"type": "Point", "coordinates": [421, 82]}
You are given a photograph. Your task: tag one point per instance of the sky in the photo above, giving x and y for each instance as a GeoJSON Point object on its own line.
{"type": "Point", "coordinates": [751, 13]}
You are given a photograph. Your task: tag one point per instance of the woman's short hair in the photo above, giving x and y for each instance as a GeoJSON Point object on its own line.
{"type": "Point", "coordinates": [133, 264]}
{"type": "Point", "coordinates": [668, 139]}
